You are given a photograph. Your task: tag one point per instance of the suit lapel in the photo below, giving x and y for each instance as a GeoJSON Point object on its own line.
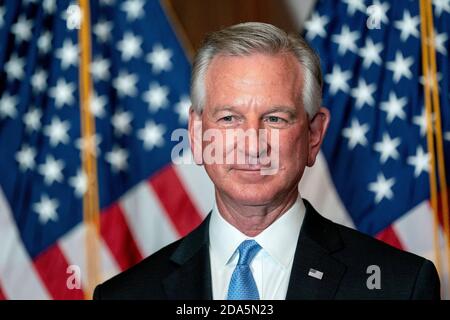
{"type": "Point", "coordinates": [192, 279]}
{"type": "Point", "coordinates": [318, 239]}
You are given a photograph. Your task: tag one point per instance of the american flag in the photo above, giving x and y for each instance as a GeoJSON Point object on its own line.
{"type": "Point", "coordinates": [140, 95]}
{"type": "Point", "coordinates": [371, 174]}
{"type": "Point", "coordinates": [375, 161]}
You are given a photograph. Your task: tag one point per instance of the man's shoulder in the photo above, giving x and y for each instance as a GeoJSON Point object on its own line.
{"type": "Point", "coordinates": [142, 279]}
{"type": "Point", "coordinates": [356, 244]}
{"type": "Point", "coordinates": [361, 242]}
{"type": "Point", "coordinates": [403, 274]}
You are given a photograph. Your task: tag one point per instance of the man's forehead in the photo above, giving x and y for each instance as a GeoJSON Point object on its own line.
{"type": "Point", "coordinates": [256, 76]}
{"type": "Point", "coordinates": [254, 69]}
{"type": "Point", "coordinates": [255, 58]}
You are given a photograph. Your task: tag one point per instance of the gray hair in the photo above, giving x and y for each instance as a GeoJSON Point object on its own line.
{"type": "Point", "coordinates": [255, 37]}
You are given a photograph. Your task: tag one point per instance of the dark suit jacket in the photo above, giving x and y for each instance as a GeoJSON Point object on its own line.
{"type": "Point", "coordinates": [182, 269]}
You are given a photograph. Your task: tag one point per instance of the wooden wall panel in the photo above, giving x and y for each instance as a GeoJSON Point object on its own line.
{"type": "Point", "coordinates": [199, 17]}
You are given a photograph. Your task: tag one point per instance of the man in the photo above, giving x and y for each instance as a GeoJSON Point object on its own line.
{"type": "Point", "coordinates": [262, 240]}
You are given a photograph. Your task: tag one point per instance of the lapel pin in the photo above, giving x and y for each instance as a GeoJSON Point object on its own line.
{"type": "Point", "coordinates": [315, 274]}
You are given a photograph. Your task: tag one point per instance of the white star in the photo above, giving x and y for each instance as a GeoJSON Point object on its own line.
{"type": "Point", "coordinates": [117, 158]}
{"type": "Point", "coordinates": [22, 29]}
{"type": "Point", "coordinates": [429, 79]}
{"type": "Point", "coordinates": [133, 8]}
{"type": "Point", "coordinates": [439, 42]}
{"type": "Point", "coordinates": [356, 134]}
{"type": "Point", "coordinates": [394, 107]}
{"type": "Point", "coordinates": [421, 121]}
{"type": "Point", "coordinates": [315, 26]}
{"type": "Point", "coordinates": [62, 93]}
{"type": "Point", "coordinates": [98, 104]}
{"type": "Point", "coordinates": [90, 144]}
{"type": "Point", "coordinates": [387, 148]}
{"type": "Point", "coordinates": [408, 26]}
{"type": "Point", "coordinates": [353, 5]}
{"type": "Point", "coordinates": [68, 54]}
{"type": "Point", "coordinates": [46, 209]}
{"type": "Point", "coordinates": [44, 42]}
{"type": "Point", "coordinates": [121, 121]}
{"type": "Point", "coordinates": [2, 16]}
{"type": "Point", "coordinates": [130, 46]}
{"type": "Point", "coordinates": [447, 136]}
{"type": "Point", "coordinates": [346, 40]}
{"type": "Point", "coordinates": [39, 81]}
{"type": "Point", "coordinates": [51, 170]}
{"type": "Point", "coordinates": [156, 96]}
{"type": "Point", "coordinates": [100, 69]}
{"type": "Point", "coordinates": [420, 161]}
{"type": "Point", "coordinates": [370, 53]}
{"type": "Point", "coordinates": [14, 67]}
{"type": "Point", "coordinates": [152, 135]}
{"type": "Point", "coordinates": [382, 188]}
{"type": "Point", "coordinates": [182, 109]}
{"type": "Point", "coordinates": [379, 11]}
{"type": "Point", "coordinates": [338, 80]}
{"type": "Point", "coordinates": [32, 119]}
{"type": "Point", "coordinates": [8, 106]}
{"type": "Point", "coordinates": [102, 30]}
{"type": "Point", "coordinates": [25, 157]}
{"type": "Point", "coordinates": [57, 132]}
{"type": "Point", "coordinates": [441, 6]}
{"type": "Point", "coordinates": [363, 94]}
{"type": "Point", "coordinates": [49, 6]}
{"type": "Point", "coordinates": [400, 66]}
{"type": "Point", "coordinates": [125, 84]}
{"type": "Point", "coordinates": [159, 58]}
{"type": "Point", "coordinates": [79, 183]}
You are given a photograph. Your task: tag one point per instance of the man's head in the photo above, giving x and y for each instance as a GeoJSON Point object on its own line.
{"type": "Point", "coordinates": [254, 76]}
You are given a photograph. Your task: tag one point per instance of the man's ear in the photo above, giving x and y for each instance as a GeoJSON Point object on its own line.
{"type": "Point", "coordinates": [195, 135]}
{"type": "Point", "coordinates": [317, 127]}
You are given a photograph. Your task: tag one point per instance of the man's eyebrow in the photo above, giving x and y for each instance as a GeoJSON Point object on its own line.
{"type": "Point", "coordinates": [223, 108]}
{"type": "Point", "coordinates": [290, 110]}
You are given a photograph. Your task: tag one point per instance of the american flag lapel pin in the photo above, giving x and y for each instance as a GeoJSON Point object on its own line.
{"type": "Point", "coordinates": [315, 273]}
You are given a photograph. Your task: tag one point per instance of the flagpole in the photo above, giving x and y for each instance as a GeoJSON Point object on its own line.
{"type": "Point", "coordinates": [439, 139]}
{"type": "Point", "coordinates": [91, 211]}
{"type": "Point", "coordinates": [432, 106]}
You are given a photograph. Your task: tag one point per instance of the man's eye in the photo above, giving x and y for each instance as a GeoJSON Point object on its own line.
{"type": "Point", "coordinates": [274, 119]}
{"type": "Point", "coordinates": [227, 118]}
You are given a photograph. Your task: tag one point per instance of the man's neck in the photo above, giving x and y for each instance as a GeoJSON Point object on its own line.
{"type": "Point", "coordinates": [251, 220]}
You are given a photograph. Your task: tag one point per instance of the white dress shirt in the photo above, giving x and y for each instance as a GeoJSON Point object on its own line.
{"type": "Point", "coordinates": [271, 267]}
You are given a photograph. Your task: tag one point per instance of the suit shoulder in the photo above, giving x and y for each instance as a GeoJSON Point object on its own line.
{"type": "Point", "coordinates": [139, 279]}
{"type": "Point", "coordinates": [368, 245]}
{"type": "Point", "coordinates": [404, 275]}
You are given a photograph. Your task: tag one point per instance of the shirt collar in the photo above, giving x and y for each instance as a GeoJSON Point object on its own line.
{"type": "Point", "coordinates": [279, 240]}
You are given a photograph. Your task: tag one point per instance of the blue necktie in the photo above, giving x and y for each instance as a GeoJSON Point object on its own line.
{"type": "Point", "coordinates": [242, 284]}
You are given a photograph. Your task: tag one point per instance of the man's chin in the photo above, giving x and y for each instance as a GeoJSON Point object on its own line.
{"type": "Point", "coordinates": [251, 196]}
{"type": "Point", "coordinates": [250, 176]}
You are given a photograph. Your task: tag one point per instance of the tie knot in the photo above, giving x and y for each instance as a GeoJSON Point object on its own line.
{"type": "Point", "coordinates": [247, 251]}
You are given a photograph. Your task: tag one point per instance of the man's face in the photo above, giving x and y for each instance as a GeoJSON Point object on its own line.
{"type": "Point", "coordinates": [259, 92]}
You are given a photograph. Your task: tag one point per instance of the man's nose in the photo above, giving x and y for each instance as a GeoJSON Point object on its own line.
{"type": "Point", "coordinates": [252, 138]}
